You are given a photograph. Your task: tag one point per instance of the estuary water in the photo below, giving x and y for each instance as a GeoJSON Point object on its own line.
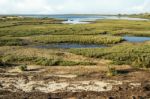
{"type": "Point", "coordinates": [83, 19]}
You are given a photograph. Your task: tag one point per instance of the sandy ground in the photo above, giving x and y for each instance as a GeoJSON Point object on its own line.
{"type": "Point", "coordinates": [77, 82]}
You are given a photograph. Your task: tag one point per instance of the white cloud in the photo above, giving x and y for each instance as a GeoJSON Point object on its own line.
{"type": "Point", "coordinates": [25, 6]}
{"type": "Point", "coordinates": [144, 7]}
{"type": "Point", "coordinates": [72, 6]}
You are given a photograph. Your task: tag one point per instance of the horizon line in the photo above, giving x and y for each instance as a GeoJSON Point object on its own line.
{"type": "Point", "coordinates": [76, 14]}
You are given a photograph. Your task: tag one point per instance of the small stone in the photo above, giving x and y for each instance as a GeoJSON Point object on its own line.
{"type": "Point", "coordinates": [105, 87]}
{"type": "Point", "coordinates": [147, 87]}
{"type": "Point", "coordinates": [117, 88]}
{"type": "Point", "coordinates": [1, 85]}
{"type": "Point", "coordinates": [140, 97]}
{"type": "Point", "coordinates": [111, 98]}
{"type": "Point", "coordinates": [133, 97]}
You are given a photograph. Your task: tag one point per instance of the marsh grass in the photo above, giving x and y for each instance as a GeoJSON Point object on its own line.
{"type": "Point", "coordinates": [40, 61]}
{"type": "Point", "coordinates": [137, 55]}
{"type": "Point", "coordinates": [18, 31]}
{"type": "Point", "coordinates": [33, 56]}
{"type": "Point", "coordinates": [32, 26]}
{"type": "Point", "coordinates": [8, 41]}
{"type": "Point", "coordinates": [84, 39]}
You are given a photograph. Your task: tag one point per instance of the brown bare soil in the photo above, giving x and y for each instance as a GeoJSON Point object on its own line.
{"type": "Point", "coordinates": [78, 82]}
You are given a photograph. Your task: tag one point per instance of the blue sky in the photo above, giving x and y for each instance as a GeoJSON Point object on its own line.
{"type": "Point", "coordinates": [73, 6]}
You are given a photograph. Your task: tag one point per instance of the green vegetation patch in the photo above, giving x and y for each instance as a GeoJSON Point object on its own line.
{"type": "Point", "coordinates": [35, 26]}
{"type": "Point", "coordinates": [11, 59]}
{"type": "Point", "coordinates": [85, 39]}
{"type": "Point", "coordinates": [7, 41]}
{"type": "Point", "coordinates": [135, 55]}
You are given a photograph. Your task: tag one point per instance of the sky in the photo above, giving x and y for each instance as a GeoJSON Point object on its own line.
{"type": "Point", "coordinates": [74, 6]}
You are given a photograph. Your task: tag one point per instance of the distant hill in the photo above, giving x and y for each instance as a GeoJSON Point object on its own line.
{"type": "Point", "coordinates": [142, 15]}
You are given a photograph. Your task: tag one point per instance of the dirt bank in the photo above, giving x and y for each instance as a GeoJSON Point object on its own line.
{"type": "Point", "coordinates": [74, 83]}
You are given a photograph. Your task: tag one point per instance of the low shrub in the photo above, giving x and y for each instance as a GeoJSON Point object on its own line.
{"type": "Point", "coordinates": [111, 71]}
{"type": "Point", "coordinates": [141, 62]}
{"type": "Point", "coordinates": [23, 67]}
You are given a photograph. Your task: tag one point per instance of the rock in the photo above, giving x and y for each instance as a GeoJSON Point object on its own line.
{"type": "Point", "coordinates": [146, 87]}
{"type": "Point", "coordinates": [1, 86]}
{"type": "Point", "coordinates": [140, 97]}
{"type": "Point", "coordinates": [133, 97]}
{"type": "Point", "coordinates": [117, 88]}
{"type": "Point", "coordinates": [111, 98]}
{"type": "Point", "coordinates": [105, 87]}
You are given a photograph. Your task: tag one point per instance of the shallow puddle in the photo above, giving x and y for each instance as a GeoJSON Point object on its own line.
{"type": "Point", "coordinates": [76, 45]}
{"type": "Point", "coordinates": [69, 45]}
{"type": "Point", "coordinates": [136, 39]}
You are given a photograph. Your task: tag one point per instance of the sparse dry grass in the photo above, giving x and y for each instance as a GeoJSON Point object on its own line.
{"type": "Point", "coordinates": [22, 55]}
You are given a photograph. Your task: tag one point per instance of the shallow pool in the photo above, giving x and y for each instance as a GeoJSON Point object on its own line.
{"type": "Point", "coordinates": [69, 45]}
{"type": "Point", "coordinates": [136, 39]}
